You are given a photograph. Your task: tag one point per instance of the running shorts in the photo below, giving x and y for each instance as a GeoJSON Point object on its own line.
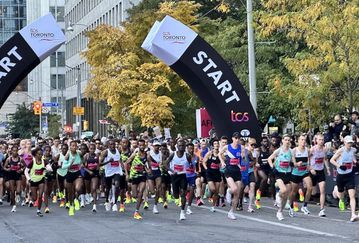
{"type": "Point", "coordinates": [346, 181]}
{"type": "Point", "coordinates": [214, 176]}
{"type": "Point", "coordinates": [298, 179]}
{"type": "Point", "coordinates": [285, 177]}
{"type": "Point", "coordinates": [179, 182]}
{"type": "Point", "coordinates": [235, 175]}
{"type": "Point", "coordinates": [72, 176]}
{"type": "Point", "coordinates": [318, 177]}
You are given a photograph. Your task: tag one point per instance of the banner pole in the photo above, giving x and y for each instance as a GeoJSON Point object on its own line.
{"type": "Point", "coordinates": [251, 57]}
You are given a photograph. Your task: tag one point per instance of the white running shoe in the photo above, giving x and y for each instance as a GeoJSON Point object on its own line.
{"type": "Point", "coordinates": [250, 209]}
{"type": "Point", "coordinates": [17, 199]}
{"type": "Point", "coordinates": [108, 206]}
{"type": "Point", "coordinates": [228, 196]}
{"type": "Point", "coordinates": [245, 200]}
{"type": "Point", "coordinates": [291, 212]}
{"type": "Point", "coordinates": [280, 216]}
{"type": "Point", "coordinates": [287, 205]}
{"type": "Point", "coordinates": [155, 210]}
{"type": "Point", "coordinates": [182, 215]}
{"type": "Point", "coordinates": [305, 210]}
{"type": "Point", "coordinates": [87, 199]}
{"type": "Point", "coordinates": [114, 208]}
{"type": "Point", "coordinates": [188, 211]}
{"type": "Point", "coordinates": [354, 218]}
{"type": "Point", "coordinates": [82, 204]}
{"type": "Point", "coordinates": [23, 203]}
{"type": "Point", "coordinates": [322, 213]}
{"type": "Point", "coordinates": [94, 209]}
{"type": "Point", "coordinates": [278, 200]}
{"type": "Point", "coordinates": [212, 209]}
{"type": "Point", "coordinates": [13, 210]}
{"type": "Point", "coordinates": [231, 215]}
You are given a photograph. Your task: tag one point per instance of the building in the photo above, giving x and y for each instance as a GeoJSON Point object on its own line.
{"type": "Point", "coordinates": [82, 16]}
{"type": "Point", "coordinates": [47, 81]}
{"type": "Point", "coordinates": [12, 19]}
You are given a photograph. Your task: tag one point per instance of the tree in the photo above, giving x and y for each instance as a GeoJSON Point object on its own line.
{"type": "Point", "coordinates": [134, 83]}
{"type": "Point", "coordinates": [23, 123]}
{"type": "Point", "coordinates": [54, 125]}
{"type": "Point", "coordinates": [325, 68]}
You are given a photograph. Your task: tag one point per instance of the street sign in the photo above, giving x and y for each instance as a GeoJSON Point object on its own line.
{"type": "Point", "coordinates": [51, 104]}
{"type": "Point", "coordinates": [104, 122]}
{"type": "Point", "coordinates": [45, 110]}
{"type": "Point", "coordinates": [78, 110]}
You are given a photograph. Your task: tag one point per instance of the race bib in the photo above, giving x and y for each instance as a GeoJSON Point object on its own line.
{"type": "Point", "coordinates": [138, 168]}
{"type": "Point", "coordinates": [190, 170]}
{"type": "Point", "coordinates": [178, 168]}
{"type": "Point", "coordinates": [15, 167]}
{"type": "Point", "coordinates": [302, 168]}
{"type": "Point", "coordinates": [214, 166]}
{"type": "Point", "coordinates": [154, 165]}
{"type": "Point", "coordinates": [284, 164]}
{"type": "Point", "coordinates": [319, 160]}
{"type": "Point", "coordinates": [92, 166]}
{"type": "Point", "coordinates": [39, 172]}
{"type": "Point", "coordinates": [234, 161]}
{"type": "Point", "coordinates": [115, 164]}
{"type": "Point", "coordinates": [75, 167]}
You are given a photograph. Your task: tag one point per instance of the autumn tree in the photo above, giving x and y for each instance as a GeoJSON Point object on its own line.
{"type": "Point", "coordinates": [134, 83]}
{"type": "Point", "coordinates": [325, 67]}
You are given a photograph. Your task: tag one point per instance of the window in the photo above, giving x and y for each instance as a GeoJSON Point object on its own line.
{"type": "Point", "coordinates": [61, 81]}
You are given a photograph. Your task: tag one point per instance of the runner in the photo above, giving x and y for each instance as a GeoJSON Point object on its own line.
{"type": "Point", "coordinates": [125, 154]}
{"type": "Point", "coordinates": [231, 156]}
{"type": "Point", "coordinates": [222, 186]}
{"type": "Point", "coordinates": [211, 164]}
{"type": "Point", "coordinates": [165, 176]}
{"type": "Point", "coordinates": [111, 160]}
{"type": "Point", "coordinates": [14, 166]}
{"type": "Point", "coordinates": [282, 171]}
{"type": "Point", "coordinates": [154, 180]}
{"type": "Point", "coordinates": [35, 175]}
{"type": "Point", "coordinates": [251, 173]}
{"type": "Point", "coordinates": [92, 165]}
{"type": "Point", "coordinates": [74, 182]}
{"type": "Point", "coordinates": [344, 160]}
{"type": "Point", "coordinates": [317, 160]}
{"type": "Point", "coordinates": [300, 174]}
{"type": "Point", "coordinates": [191, 174]}
{"type": "Point", "coordinates": [176, 165]}
{"type": "Point", "coordinates": [263, 169]}
{"type": "Point", "coordinates": [61, 174]}
{"type": "Point", "coordinates": [201, 181]}
{"type": "Point", "coordinates": [137, 174]}
{"type": "Point", "coordinates": [50, 176]}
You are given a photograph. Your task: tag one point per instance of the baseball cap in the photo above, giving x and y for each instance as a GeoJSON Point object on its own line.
{"type": "Point", "coordinates": [348, 139]}
{"type": "Point", "coordinates": [156, 143]}
{"type": "Point", "coordinates": [236, 135]}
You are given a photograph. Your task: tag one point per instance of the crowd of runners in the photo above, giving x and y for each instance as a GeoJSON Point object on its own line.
{"type": "Point", "coordinates": [218, 171]}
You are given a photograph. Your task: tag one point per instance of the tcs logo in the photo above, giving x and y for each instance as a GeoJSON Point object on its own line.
{"type": "Point", "coordinates": [239, 116]}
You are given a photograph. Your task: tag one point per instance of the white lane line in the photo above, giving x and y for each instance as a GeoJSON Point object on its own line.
{"type": "Point", "coordinates": [317, 232]}
{"type": "Point", "coordinates": [310, 215]}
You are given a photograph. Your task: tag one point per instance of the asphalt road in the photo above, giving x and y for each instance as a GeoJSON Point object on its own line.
{"type": "Point", "coordinates": [202, 225]}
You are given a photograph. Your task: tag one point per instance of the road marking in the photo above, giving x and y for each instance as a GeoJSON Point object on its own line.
{"type": "Point", "coordinates": [317, 232]}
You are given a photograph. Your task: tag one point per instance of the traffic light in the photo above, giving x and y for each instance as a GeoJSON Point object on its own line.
{"type": "Point", "coordinates": [86, 125]}
{"type": "Point", "coordinates": [37, 107]}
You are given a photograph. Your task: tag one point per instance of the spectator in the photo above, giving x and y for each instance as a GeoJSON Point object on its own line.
{"type": "Point", "coordinates": [336, 127]}
{"type": "Point", "coordinates": [354, 129]}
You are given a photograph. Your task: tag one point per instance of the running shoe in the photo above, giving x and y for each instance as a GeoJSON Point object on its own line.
{"type": "Point", "coordinates": [67, 205]}
{"type": "Point", "coordinates": [39, 214]}
{"type": "Point", "coordinates": [258, 204]}
{"type": "Point", "coordinates": [231, 215]}
{"type": "Point", "coordinates": [295, 206]}
{"type": "Point", "coordinates": [199, 202]}
{"type": "Point", "coordinates": [189, 211]}
{"type": "Point", "coordinates": [122, 208]}
{"type": "Point", "coordinates": [278, 200]}
{"type": "Point", "coordinates": [133, 200]}
{"type": "Point", "coordinates": [54, 199]}
{"type": "Point", "coordinates": [71, 211]}
{"type": "Point", "coordinates": [258, 195]}
{"type": "Point", "coordinates": [341, 205]}
{"type": "Point", "coordinates": [17, 199]}
{"type": "Point", "coordinates": [354, 218]}
{"type": "Point", "coordinates": [305, 210]}
{"type": "Point", "coordinates": [82, 203]}
{"type": "Point", "coordinates": [47, 210]}
{"type": "Point", "coordinates": [165, 205]}
{"type": "Point", "coordinates": [94, 208]}
{"type": "Point", "coordinates": [212, 209]}
{"type": "Point", "coordinates": [155, 210]}
{"type": "Point", "coordinates": [22, 203]}
{"type": "Point", "coordinates": [291, 212]}
{"type": "Point", "coordinates": [250, 210]}
{"type": "Point", "coordinates": [128, 200]}
{"type": "Point", "coordinates": [119, 199]}
{"type": "Point", "coordinates": [182, 215]}
{"type": "Point", "coordinates": [145, 205]}
{"type": "Point", "coordinates": [245, 199]}
{"type": "Point", "coordinates": [210, 200]}
{"type": "Point", "coordinates": [137, 216]}
{"type": "Point", "coordinates": [177, 202]}
{"type": "Point", "coordinates": [62, 203]}
{"type": "Point", "coordinates": [322, 213]}
{"type": "Point", "coordinates": [239, 208]}
{"type": "Point", "coordinates": [287, 205]}
{"type": "Point", "coordinates": [31, 204]}
{"type": "Point", "coordinates": [280, 216]}
{"type": "Point", "coordinates": [77, 204]}
{"type": "Point", "coordinates": [160, 200]}
{"type": "Point", "coordinates": [13, 210]}
{"type": "Point", "coordinates": [301, 196]}
{"type": "Point", "coordinates": [1, 201]}
{"type": "Point", "coordinates": [114, 208]}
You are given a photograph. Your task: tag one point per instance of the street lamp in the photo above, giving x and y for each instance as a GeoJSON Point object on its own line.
{"type": "Point", "coordinates": [78, 99]}
{"type": "Point", "coordinates": [71, 26]}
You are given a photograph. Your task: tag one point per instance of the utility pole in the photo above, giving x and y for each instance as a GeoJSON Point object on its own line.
{"type": "Point", "coordinates": [251, 57]}
{"type": "Point", "coordinates": [79, 100]}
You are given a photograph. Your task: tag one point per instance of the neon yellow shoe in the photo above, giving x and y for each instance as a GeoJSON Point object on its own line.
{"type": "Point", "coordinates": [160, 200]}
{"type": "Point", "coordinates": [295, 207]}
{"type": "Point", "coordinates": [137, 216]}
{"type": "Point", "coordinates": [47, 210]}
{"type": "Point", "coordinates": [128, 200]}
{"type": "Point", "coordinates": [301, 196]}
{"type": "Point", "coordinates": [145, 205]}
{"type": "Point", "coordinates": [258, 195]}
{"type": "Point", "coordinates": [61, 195]}
{"type": "Point", "coordinates": [165, 205]}
{"type": "Point", "coordinates": [67, 205]}
{"type": "Point", "coordinates": [77, 205]}
{"type": "Point", "coordinates": [122, 208]}
{"type": "Point", "coordinates": [119, 198]}
{"type": "Point", "coordinates": [341, 205]}
{"type": "Point", "coordinates": [258, 204]}
{"type": "Point", "coordinates": [133, 200]}
{"type": "Point", "coordinates": [71, 211]}
{"type": "Point", "coordinates": [177, 202]}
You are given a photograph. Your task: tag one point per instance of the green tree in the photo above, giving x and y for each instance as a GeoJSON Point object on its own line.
{"type": "Point", "coordinates": [54, 125]}
{"type": "Point", "coordinates": [23, 123]}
